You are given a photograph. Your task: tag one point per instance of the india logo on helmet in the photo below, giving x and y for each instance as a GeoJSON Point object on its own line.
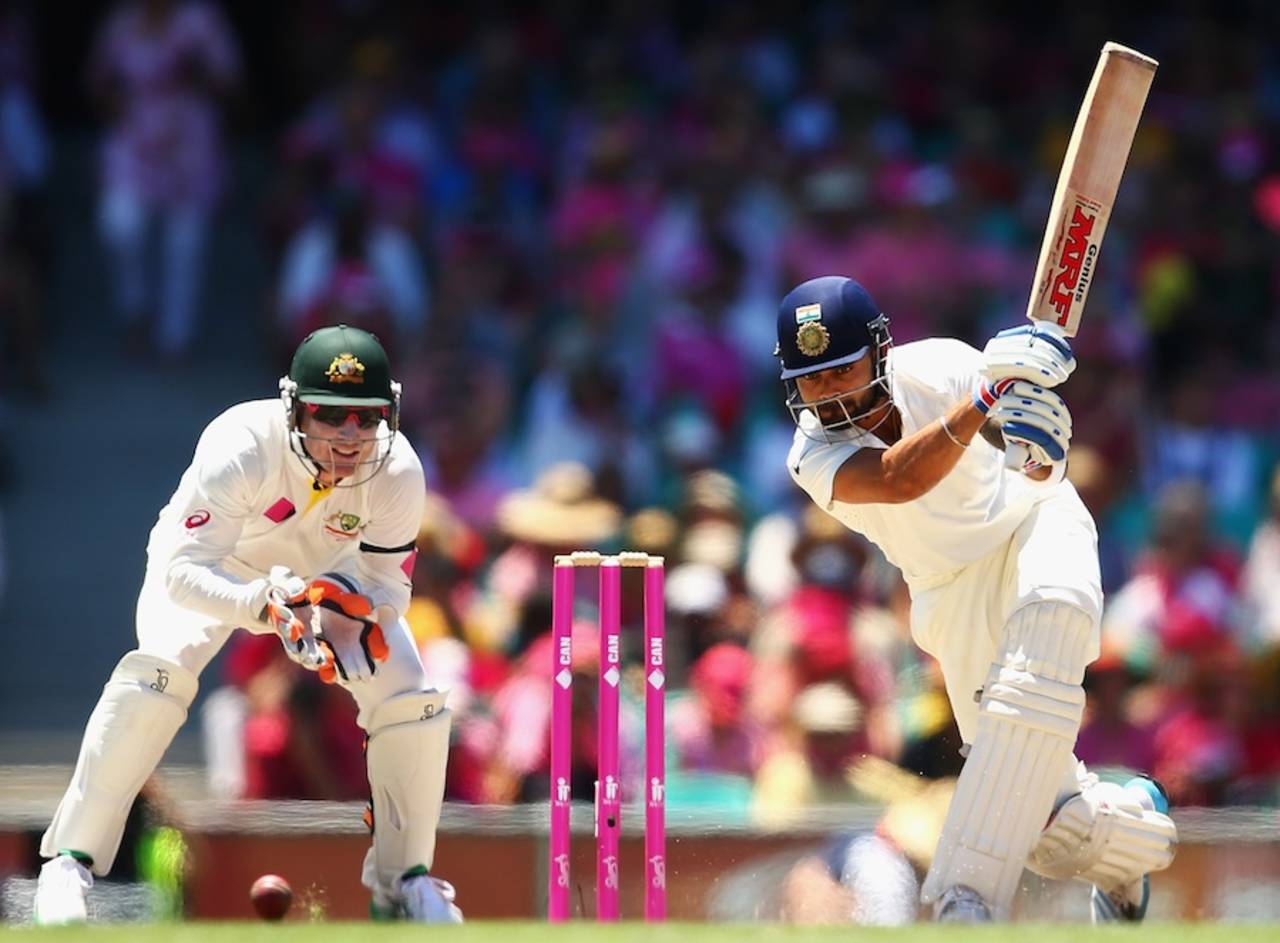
{"type": "Point", "coordinates": [812, 336]}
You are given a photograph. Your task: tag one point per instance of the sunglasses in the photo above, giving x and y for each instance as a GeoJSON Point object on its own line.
{"type": "Point", "coordinates": [367, 417]}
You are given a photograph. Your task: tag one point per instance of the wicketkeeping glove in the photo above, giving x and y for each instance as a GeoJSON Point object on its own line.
{"type": "Point", "coordinates": [351, 640]}
{"type": "Point", "coordinates": [289, 613]}
{"type": "Point", "coordinates": [1038, 352]}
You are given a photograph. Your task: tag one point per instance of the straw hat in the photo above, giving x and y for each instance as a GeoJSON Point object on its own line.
{"type": "Point", "coordinates": [560, 510]}
{"type": "Point", "coordinates": [652, 530]}
{"type": "Point", "coordinates": [713, 542]}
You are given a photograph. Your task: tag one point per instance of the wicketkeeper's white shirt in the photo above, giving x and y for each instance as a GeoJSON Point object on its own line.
{"type": "Point", "coordinates": [967, 515]}
{"type": "Point", "coordinates": [247, 503]}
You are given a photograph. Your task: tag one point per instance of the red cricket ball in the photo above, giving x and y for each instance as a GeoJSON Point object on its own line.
{"type": "Point", "coordinates": [272, 896]}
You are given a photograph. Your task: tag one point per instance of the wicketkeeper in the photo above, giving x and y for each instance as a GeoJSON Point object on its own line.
{"type": "Point", "coordinates": [296, 516]}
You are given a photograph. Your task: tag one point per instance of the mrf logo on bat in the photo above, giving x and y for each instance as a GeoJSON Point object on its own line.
{"type": "Point", "coordinates": [1073, 269]}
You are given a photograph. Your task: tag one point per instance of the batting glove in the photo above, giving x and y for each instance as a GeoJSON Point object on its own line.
{"type": "Point", "coordinates": [1038, 352]}
{"type": "Point", "coordinates": [1035, 419]}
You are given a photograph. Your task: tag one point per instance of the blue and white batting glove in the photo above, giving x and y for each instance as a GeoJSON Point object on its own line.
{"type": "Point", "coordinates": [1036, 419]}
{"type": "Point", "coordinates": [1038, 352]}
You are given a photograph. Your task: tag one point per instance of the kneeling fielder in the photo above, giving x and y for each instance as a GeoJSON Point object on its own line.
{"type": "Point", "coordinates": [298, 516]}
{"type": "Point", "coordinates": [1002, 565]}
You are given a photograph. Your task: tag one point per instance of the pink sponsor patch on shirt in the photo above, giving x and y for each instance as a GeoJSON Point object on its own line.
{"type": "Point", "coordinates": [282, 510]}
{"type": "Point", "coordinates": [407, 566]}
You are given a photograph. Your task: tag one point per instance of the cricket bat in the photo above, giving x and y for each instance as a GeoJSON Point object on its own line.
{"type": "Point", "coordinates": [1087, 185]}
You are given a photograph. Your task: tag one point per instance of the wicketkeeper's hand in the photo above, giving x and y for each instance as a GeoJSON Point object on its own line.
{"type": "Point", "coordinates": [351, 640]}
{"type": "Point", "coordinates": [289, 613]}
{"type": "Point", "coordinates": [1038, 352]}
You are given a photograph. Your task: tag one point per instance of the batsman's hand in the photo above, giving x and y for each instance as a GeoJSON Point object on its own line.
{"type": "Point", "coordinates": [289, 613]}
{"type": "Point", "coordinates": [1035, 423]}
{"type": "Point", "coordinates": [1038, 352]}
{"type": "Point", "coordinates": [351, 641]}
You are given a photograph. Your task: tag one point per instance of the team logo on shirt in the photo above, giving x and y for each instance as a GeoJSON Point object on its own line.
{"type": "Point", "coordinates": [345, 368]}
{"type": "Point", "coordinates": [197, 518]}
{"type": "Point", "coordinates": [341, 524]}
{"type": "Point", "coordinates": [812, 336]}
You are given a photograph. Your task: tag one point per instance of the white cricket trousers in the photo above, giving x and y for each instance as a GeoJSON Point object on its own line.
{"type": "Point", "coordinates": [1051, 557]}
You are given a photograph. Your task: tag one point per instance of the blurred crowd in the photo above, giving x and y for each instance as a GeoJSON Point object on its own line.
{"type": "Point", "coordinates": [572, 224]}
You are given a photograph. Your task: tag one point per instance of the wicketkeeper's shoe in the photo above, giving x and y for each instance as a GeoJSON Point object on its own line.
{"type": "Point", "coordinates": [961, 904]}
{"type": "Point", "coordinates": [419, 898]}
{"type": "Point", "coordinates": [61, 892]}
{"type": "Point", "coordinates": [1129, 904]}
{"type": "Point", "coordinates": [429, 900]}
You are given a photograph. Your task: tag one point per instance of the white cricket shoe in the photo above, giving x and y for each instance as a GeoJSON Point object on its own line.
{"type": "Point", "coordinates": [61, 891]}
{"type": "Point", "coordinates": [426, 899]}
{"type": "Point", "coordinates": [962, 904]}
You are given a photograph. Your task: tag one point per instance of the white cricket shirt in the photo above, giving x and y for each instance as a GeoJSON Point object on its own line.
{"type": "Point", "coordinates": [968, 514]}
{"type": "Point", "coordinates": [247, 503]}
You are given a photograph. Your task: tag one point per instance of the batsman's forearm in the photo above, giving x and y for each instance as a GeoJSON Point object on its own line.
{"type": "Point", "coordinates": [916, 463]}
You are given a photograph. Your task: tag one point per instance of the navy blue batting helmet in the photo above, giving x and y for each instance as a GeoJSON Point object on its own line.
{"type": "Point", "coordinates": [829, 322]}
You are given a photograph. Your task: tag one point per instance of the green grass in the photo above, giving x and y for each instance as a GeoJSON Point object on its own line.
{"type": "Point", "coordinates": [524, 932]}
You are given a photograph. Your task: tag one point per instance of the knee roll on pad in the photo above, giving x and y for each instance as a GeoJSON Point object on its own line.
{"type": "Point", "coordinates": [1028, 718]}
{"type": "Point", "coordinates": [142, 706]}
{"type": "Point", "coordinates": [1104, 836]}
{"type": "Point", "coordinates": [407, 754]}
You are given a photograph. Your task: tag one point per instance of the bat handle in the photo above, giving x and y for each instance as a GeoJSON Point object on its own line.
{"type": "Point", "coordinates": [1015, 455]}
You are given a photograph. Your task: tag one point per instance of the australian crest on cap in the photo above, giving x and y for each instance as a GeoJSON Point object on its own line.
{"type": "Point", "coordinates": [345, 368]}
{"type": "Point", "coordinates": [812, 336]}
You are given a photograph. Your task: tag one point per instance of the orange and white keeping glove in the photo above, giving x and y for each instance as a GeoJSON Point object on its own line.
{"type": "Point", "coordinates": [350, 639]}
{"type": "Point", "coordinates": [289, 613]}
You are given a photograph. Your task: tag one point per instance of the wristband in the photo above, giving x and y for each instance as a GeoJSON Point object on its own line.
{"type": "Point", "coordinates": [985, 396]}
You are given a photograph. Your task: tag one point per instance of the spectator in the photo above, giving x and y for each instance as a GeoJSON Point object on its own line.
{"type": "Point", "coordinates": [1186, 579]}
{"type": "Point", "coordinates": [807, 766]}
{"type": "Point", "coordinates": [710, 729]}
{"type": "Point", "coordinates": [272, 733]}
{"type": "Point", "coordinates": [1200, 747]}
{"type": "Point", "coordinates": [24, 236]}
{"type": "Point", "coordinates": [351, 269]}
{"type": "Point", "coordinates": [1109, 738]}
{"type": "Point", "coordinates": [1261, 587]}
{"type": "Point", "coordinates": [157, 71]}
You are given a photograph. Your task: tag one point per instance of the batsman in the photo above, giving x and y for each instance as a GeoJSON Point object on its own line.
{"type": "Point", "coordinates": [907, 446]}
{"type": "Point", "coordinates": [297, 516]}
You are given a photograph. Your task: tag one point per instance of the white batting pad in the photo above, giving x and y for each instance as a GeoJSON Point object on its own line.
{"type": "Point", "coordinates": [408, 750]}
{"type": "Point", "coordinates": [1104, 836]}
{"type": "Point", "coordinates": [1028, 718]}
{"type": "Point", "coordinates": [144, 703]}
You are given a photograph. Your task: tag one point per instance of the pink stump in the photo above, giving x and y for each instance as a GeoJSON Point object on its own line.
{"type": "Point", "coordinates": [655, 813]}
{"type": "Point", "coordinates": [608, 784]}
{"type": "Point", "coordinates": [561, 740]}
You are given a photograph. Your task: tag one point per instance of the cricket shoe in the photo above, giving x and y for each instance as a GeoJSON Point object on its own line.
{"type": "Point", "coordinates": [420, 898]}
{"type": "Point", "coordinates": [61, 892]}
{"type": "Point", "coordinates": [961, 904]}
{"type": "Point", "coordinates": [1128, 904]}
